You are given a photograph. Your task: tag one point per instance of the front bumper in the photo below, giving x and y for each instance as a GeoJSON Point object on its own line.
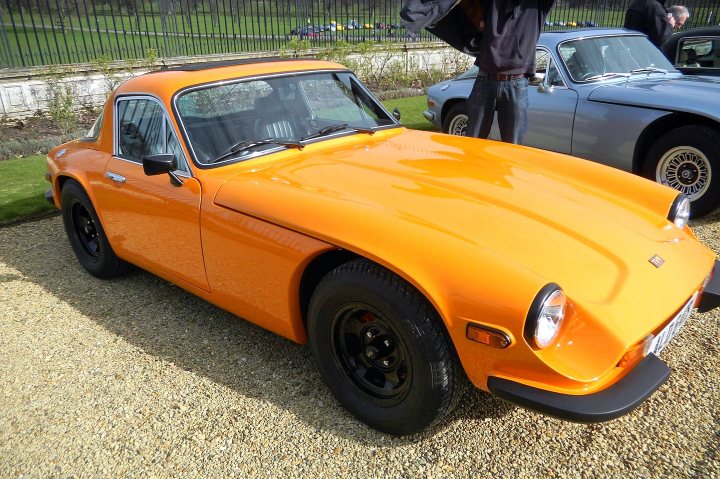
{"type": "Point", "coordinates": [615, 401]}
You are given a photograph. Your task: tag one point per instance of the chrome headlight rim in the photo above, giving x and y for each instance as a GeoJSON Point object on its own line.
{"type": "Point", "coordinates": [679, 213]}
{"type": "Point", "coordinates": [538, 308]}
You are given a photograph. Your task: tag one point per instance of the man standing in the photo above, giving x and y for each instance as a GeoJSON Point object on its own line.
{"type": "Point", "coordinates": [680, 14]}
{"type": "Point", "coordinates": [650, 18]}
{"type": "Point", "coordinates": [506, 60]}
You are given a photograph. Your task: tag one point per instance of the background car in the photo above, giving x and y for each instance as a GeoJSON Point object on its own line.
{"type": "Point", "coordinates": [610, 96]}
{"type": "Point", "coordinates": [696, 51]}
{"type": "Point", "coordinates": [411, 261]}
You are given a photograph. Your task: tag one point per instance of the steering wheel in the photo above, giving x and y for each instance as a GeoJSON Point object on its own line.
{"type": "Point", "coordinates": [587, 75]}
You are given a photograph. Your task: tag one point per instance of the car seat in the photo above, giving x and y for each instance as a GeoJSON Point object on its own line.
{"type": "Point", "coordinates": [273, 120]}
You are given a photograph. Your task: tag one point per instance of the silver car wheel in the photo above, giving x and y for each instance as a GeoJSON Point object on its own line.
{"type": "Point", "coordinates": [686, 169]}
{"type": "Point", "coordinates": [458, 125]}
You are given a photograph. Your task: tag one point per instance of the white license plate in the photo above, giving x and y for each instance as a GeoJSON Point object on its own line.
{"type": "Point", "coordinates": [673, 327]}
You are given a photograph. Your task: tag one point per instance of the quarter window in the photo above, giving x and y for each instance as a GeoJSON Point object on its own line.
{"type": "Point", "coordinates": [94, 133]}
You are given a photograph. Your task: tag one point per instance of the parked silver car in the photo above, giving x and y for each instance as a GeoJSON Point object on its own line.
{"type": "Point", "coordinates": [610, 96]}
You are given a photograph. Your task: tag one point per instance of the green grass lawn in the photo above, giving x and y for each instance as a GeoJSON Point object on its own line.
{"type": "Point", "coordinates": [22, 188]}
{"type": "Point", "coordinates": [411, 111]}
{"type": "Point", "coordinates": [22, 182]}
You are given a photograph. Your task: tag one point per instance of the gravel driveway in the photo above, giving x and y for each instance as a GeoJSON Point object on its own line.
{"type": "Point", "coordinates": [137, 378]}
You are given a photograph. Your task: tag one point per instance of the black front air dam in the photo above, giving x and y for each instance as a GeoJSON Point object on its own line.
{"type": "Point", "coordinates": [710, 298]}
{"type": "Point", "coordinates": [615, 401]}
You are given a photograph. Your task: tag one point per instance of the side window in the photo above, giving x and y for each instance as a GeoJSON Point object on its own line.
{"type": "Point", "coordinates": [698, 53]}
{"type": "Point", "coordinates": [173, 146]}
{"type": "Point", "coordinates": [553, 75]}
{"type": "Point", "coordinates": [546, 69]}
{"type": "Point", "coordinates": [143, 130]}
{"type": "Point", "coordinates": [140, 129]}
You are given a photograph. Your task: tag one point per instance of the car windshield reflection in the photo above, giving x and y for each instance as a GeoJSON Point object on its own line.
{"type": "Point", "coordinates": [611, 57]}
{"type": "Point", "coordinates": [219, 117]}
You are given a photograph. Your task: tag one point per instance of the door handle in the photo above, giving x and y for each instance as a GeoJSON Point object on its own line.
{"type": "Point", "coordinates": [115, 177]}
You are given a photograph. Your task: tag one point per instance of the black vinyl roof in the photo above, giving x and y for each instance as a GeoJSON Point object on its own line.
{"type": "Point", "coordinates": [199, 66]}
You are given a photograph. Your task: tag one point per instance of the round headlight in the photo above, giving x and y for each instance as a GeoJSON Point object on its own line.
{"type": "Point", "coordinates": [680, 211]}
{"type": "Point", "coordinates": [546, 316]}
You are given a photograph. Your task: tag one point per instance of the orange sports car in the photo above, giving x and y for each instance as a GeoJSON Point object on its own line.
{"type": "Point", "coordinates": [284, 192]}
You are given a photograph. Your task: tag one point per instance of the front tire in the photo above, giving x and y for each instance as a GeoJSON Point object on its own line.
{"type": "Point", "coordinates": [688, 159]}
{"type": "Point", "coordinates": [86, 234]}
{"type": "Point", "coordinates": [456, 120]}
{"type": "Point", "coordinates": [382, 349]}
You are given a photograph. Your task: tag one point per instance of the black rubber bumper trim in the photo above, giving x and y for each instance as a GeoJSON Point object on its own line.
{"type": "Point", "coordinates": [49, 197]}
{"type": "Point", "coordinates": [710, 298]}
{"type": "Point", "coordinates": [615, 401]}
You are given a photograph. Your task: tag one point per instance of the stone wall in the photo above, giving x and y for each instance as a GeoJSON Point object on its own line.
{"type": "Point", "coordinates": [24, 92]}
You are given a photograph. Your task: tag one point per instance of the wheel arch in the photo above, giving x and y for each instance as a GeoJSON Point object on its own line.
{"type": "Point", "coordinates": [315, 271]}
{"type": "Point", "coordinates": [447, 105]}
{"type": "Point", "coordinates": [62, 179]}
{"type": "Point", "coordinates": [661, 126]}
{"type": "Point", "coordinates": [322, 264]}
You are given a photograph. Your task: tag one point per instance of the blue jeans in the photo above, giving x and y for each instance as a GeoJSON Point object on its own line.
{"type": "Point", "coordinates": [509, 98]}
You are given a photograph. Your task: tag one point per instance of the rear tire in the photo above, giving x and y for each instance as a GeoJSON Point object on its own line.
{"type": "Point", "coordinates": [688, 159]}
{"type": "Point", "coordinates": [456, 120]}
{"type": "Point", "coordinates": [382, 349]}
{"type": "Point", "coordinates": [86, 234]}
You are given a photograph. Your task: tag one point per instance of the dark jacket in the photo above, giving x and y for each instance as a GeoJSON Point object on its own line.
{"type": "Point", "coordinates": [446, 20]}
{"type": "Point", "coordinates": [650, 18]}
{"type": "Point", "coordinates": [512, 29]}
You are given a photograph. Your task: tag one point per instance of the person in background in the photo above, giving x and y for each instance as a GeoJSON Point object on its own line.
{"type": "Point", "coordinates": [506, 59]}
{"type": "Point", "coordinates": [680, 15]}
{"type": "Point", "coordinates": [650, 18]}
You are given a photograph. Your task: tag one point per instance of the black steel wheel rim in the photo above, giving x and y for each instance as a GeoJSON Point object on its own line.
{"type": "Point", "coordinates": [371, 353]}
{"type": "Point", "coordinates": [85, 230]}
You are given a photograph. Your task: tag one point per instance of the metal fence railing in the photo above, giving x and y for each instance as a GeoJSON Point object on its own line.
{"type": "Point", "coordinates": [47, 32]}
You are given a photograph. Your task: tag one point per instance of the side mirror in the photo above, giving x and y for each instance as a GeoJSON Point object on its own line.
{"type": "Point", "coordinates": [396, 113]}
{"type": "Point", "coordinates": [163, 163]}
{"type": "Point", "coordinates": [542, 88]}
{"type": "Point", "coordinates": [159, 164]}
{"type": "Point", "coordinates": [537, 79]}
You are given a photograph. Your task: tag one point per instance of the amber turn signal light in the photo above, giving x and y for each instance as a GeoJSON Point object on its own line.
{"type": "Point", "coordinates": [637, 353]}
{"type": "Point", "coordinates": [491, 337]}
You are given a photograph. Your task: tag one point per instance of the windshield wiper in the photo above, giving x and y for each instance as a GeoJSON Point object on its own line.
{"type": "Point", "coordinates": [338, 127]}
{"type": "Point", "coordinates": [607, 75]}
{"type": "Point", "coordinates": [649, 70]}
{"type": "Point", "coordinates": [245, 145]}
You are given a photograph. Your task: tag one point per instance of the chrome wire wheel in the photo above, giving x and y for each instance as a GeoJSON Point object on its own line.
{"type": "Point", "coordinates": [458, 125]}
{"type": "Point", "coordinates": [686, 169]}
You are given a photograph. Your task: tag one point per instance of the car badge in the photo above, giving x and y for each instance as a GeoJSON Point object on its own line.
{"type": "Point", "coordinates": [60, 153]}
{"type": "Point", "coordinates": [656, 261]}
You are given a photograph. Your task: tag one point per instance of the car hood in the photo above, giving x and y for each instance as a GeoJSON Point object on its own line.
{"type": "Point", "coordinates": [691, 94]}
{"type": "Point", "coordinates": [425, 204]}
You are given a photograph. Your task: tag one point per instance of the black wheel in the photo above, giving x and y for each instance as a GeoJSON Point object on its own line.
{"type": "Point", "coordinates": [382, 349]}
{"type": "Point", "coordinates": [688, 159]}
{"type": "Point", "coordinates": [456, 120]}
{"type": "Point", "coordinates": [86, 234]}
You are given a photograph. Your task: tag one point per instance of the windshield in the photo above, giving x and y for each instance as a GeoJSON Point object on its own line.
{"type": "Point", "coordinates": [229, 121]}
{"type": "Point", "coordinates": [599, 58]}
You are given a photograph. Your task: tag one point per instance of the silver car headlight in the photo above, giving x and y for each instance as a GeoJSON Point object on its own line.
{"type": "Point", "coordinates": [546, 316]}
{"type": "Point", "coordinates": [680, 211]}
